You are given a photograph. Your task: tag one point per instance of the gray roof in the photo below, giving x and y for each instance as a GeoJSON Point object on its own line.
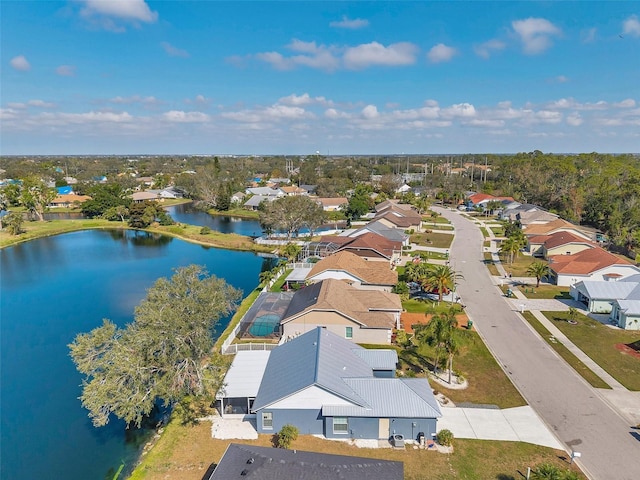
{"type": "Point", "coordinates": [603, 290]}
{"type": "Point", "coordinates": [266, 191]}
{"type": "Point", "coordinates": [630, 307]}
{"type": "Point", "coordinates": [378, 359]}
{"type": "Point", "coordinates": [380, 228]}
{"type": "Point", "coordinates": [631, 278]}
{"type": "Point", "coordinates": [257, 200]}
{"type": "Point", "coordinates": [264, 463]}
{"type": "Point", "coordinates": [389, 397]}
{"type": "Point", "coordinates": [318, 357]}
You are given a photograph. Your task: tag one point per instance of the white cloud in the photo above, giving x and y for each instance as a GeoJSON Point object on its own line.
{"type": "Point", "coordinates": [180, 116]}
{"type": "Point", "coordinates": [198, 100]}
{"type": "Point", "coordinates": [376, 54]}
{"type": "Point", "coordinates": [485, 49]}
{"type": "Point", "coordinates": [464, 110]}
{"type": "Point", "coordinates": [370, 112]}
{"type": "Point", "coordinates": [588, 36]}
{"type": "Point", "coordinates": [20, 63]}
{"type": "Point", "coordinates": [174, 51]}
{"type": "Point", "coordinates": [311, 55]}
{"type": "Point", "coordinates": [476, 122]}
{"type": "Point", "coordinates": [66, 71]}
{"type": "Point", "coordinates": [575, 120]}
{"type": "Point", "coordinates": [304, 99]}
{"type": "Point", "coordinates": [134, 99]}
{"type": "Point", "coordinates": [352, 24]}
{"type": "Point", "coordinates": [535, 34]}
{"type": "Point", "coordinates": [40, 104]}
{"type": "Point", "coordinates": [136, 10]}
{"type": "Point", "coordinates": [562, 79]}
{"type": "Point", "coordinates": [627, 103]}
{"type": "Point", "coordinates": [82, 118]}
{"type": "Point", "coordinates": [334, 114]}
{"type": "Point", "coordinates": [441, 53]}
{"type": "Point", "coordinates": [631, 26]}
{"type": "Point", "coordinates": [278, 112]}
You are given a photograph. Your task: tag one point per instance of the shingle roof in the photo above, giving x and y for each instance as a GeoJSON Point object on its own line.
{"type": "Point", "coordinates": [363, 306]}
{"type": "Point", "coordinates": [374, 242]}
{"type": "Point", "coordinates": [585, 262]}
{"type": "Point", "coordinates": [264, 463]}
{"type": "Point", "coordinates": [372, 273]}
{"type": "Point", "coordinates": [379, 228]}
{"type": "Point", "coordinates": [332, 201]}
{"type": "Point", "coordinates": [563, 238]}
{"type": "Point", "coordinates": [548, 228]}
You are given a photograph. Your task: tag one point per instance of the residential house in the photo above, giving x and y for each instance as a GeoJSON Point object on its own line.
{"type": "Point", "coordinates": [591, 264]}
{"type": "Point", "coordinates": [68, 200]}
{"type": "Point", "coordinates": [265, 192]}
{"type": "Point", "coordinates": [238, 197]}
{"type": "Point", "coordinates": [354, 270]}
{"type": "Point", "coordinates": [146, 181]}
{"type": "Point", "coordinates": [397, 216]}
{"type": "Point", "coordinates": [368, 245]}
{"type": "Point", "coordinates": [292, 190]}
{"type": "Point", "coordinates": [280, 181]}
{"type": "Point", "coordinates": [254, 202]}
{"type": "Point", "coordinates": [559, 243]}
{"type": "Point", "coordinates": [311, 189]}
{"type": "Point", "coordinates": [626, 313]}
{"type": "Point", "coordinates": [362, 316]}
{"type": "Point", "coordinates": [326, 385]}
{"type": "Point", "coordinates": [390, 233]}
{"type": "Point", "coordinates": [599, 296]}
{"type": "Point", "coordinates": [332, 204]}
{"type": "Point", "coordinates": [169, 192]}
{"type": "Point", "coordinates": [139, 197]}
{"type": "Point", "coordinates": [264, 463]}
{"type": "Point", "coordinates": [481, 200]}
{"type": "Point", "coordinates": [558, 225]}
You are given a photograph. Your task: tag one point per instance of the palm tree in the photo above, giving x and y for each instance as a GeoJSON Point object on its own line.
{"type": "Point", "coordinates": [434, 216]}
{"type": "Point", "coordinates": [441, 278]}
{"type": "Point", "coordinates": [511, 246]}
{"type": "Point", "coordinates": [417, 272]}
{"type": "Point", "coordinates": [441, 333]}
{"type": "Point", "coordinates": [538, 269]}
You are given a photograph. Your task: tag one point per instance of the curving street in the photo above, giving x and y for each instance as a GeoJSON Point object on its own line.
{"type": "Point", "coordinates": [578, 414]}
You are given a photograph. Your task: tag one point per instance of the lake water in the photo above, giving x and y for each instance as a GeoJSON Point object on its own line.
{"type": "Point", "coordinates": [186, 213]}
{"type": "Point", "coordinates": [52, 289]}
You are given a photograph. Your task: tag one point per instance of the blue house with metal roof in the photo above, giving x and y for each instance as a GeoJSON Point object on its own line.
{"type": "Point", "coordinates": [326, 385]}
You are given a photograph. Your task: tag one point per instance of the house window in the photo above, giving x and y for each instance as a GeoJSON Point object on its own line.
{"type": "Point", "coordinates": [267, 420]}
{"type": "Point", "coordinates": [340, 425]}
{"type": "Point", "coordinates": [348, 332]}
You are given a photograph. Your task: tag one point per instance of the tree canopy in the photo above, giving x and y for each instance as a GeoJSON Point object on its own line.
{"type": "Point", "coordinates": [291, 214]}
{"type": "Point", "coordinates": [162, 355]}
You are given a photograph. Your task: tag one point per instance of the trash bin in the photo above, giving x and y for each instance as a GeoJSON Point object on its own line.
{"type": "Point", "coordinates": [469, 324]}
{"type": "Point", "coordinates": [421, 438]}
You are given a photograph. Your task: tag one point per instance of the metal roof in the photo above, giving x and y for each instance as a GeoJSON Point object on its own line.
{"type": "Point", "coordinates": [318, 357]}
{"type": "Point", "coordinates": [603, 290]}
{"type": "Point", "coordinates": [379, 359]}
{"type": "Point", "coordinates": [245, 374]}
{"type": "Point", "coordinates": [389, 397]}
{"type": "Point", "coordinates": [630, 307]}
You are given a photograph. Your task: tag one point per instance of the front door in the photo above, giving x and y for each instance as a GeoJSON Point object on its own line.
{"type": "Point", "coordinates": [383, 428]}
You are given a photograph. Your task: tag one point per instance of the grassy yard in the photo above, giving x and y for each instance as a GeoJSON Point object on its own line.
{"type": "Point", "coordinates": [277, 286]}
{"type": "Point", "coordinates": [498, 231]}
{"type": "Point", "coordinates": [484, 231]}
{"type": "Point", "coordinates": [433, 239]}
{"type": "Point", "coordinates": [414, 305]}
{"type": "Point", "coordinates": [545, 291]}
{"type": "Point", "coordinates": [185, 453]}
{"type": "Point", "coordinates": [519, 266]}
{"type": "Point", "coordinates": [488, 261]}
{"type": "Point", "coordinates": [427, 219]}
{"type": "Point", "coordinates": [593, 379]}
{"type": "Point", "coordinates": [488, 384]}
{"type": "Point", "coordinates": [235, 212]}
{"type": "Point", "coordinates": [599, 342]}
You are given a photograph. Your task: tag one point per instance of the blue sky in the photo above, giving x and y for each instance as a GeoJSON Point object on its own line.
{"type": "Point", "coordinates": [129, 76]}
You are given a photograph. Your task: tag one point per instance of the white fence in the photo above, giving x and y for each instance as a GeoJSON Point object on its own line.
{"type": "Point", "coordinates": [247, 347]}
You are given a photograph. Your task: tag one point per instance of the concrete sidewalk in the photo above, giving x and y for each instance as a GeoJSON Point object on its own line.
{"type": "Point", "coordinates": [519, 424]}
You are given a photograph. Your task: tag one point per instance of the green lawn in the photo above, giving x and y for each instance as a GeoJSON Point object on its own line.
{"type": "Point", "coordinates": [593, 379]}
{"type": "Point", "coordinates": [598, 341]}
{"type": "Point", "coordinates": [488, 384]}
{"type": "Point", "coordinates": [433, 239]}
{"type": "Point", "coordinates": [545, 291]}
{"type": "Point", "coordinates": [422, 306]}
{"type": "Point", "coordinates": [235, 212]}
{"type": "Point", "coordinates": [484, 231]}
{"type": "Point", "coordinates": [277, 286]}
{"type": "Point", "coordinates": [488, 261]}
{"type": "Point", "coordinates": [498, 231]}
{"type": "Point", "coordinates": [519, 266]}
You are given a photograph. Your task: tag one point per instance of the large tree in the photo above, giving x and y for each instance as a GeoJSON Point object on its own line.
{"type": "Point", "coordinates": [441, 279]}
{"type": "Point", "coordinates": [538, 269]}
{"type": "Point", "coordinates": [163, 355]}
{"type": "Point", "coordinates": [291, 214]}
{"type": "Point", "coordinates": [443, 334]}
{"type": "Point", "coordinates": [35, 196]}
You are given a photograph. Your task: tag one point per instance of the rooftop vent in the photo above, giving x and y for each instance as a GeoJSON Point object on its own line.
{"type": "Point", "coordinates": [244, 472]}
{"type": "Point", "coordinates": [251, 460]}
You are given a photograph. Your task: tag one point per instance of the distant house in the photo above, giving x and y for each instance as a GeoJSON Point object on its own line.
{"type": "Point", "coordinates": [139, 197]}
{"type": "Point", "coordinates": [482, 199]}
{"type": "Point", "coordinates": [591, 264]}
{"type": "Point", "coordinates": [254, 202]}
{"type": "Point", "coordinates": [68, 200]}
{"type": "Point", "coordinates": [559, 243]}
{"type": "Point", "coordinates": [527, 214]}
{"type": "Point", "coordinates": [332, 204]}
{"type": "Point", "coordinates": [354, 270]}
{"type": "Point", "coordinates": [361, 316]}
{"type": "Point", "coordinates": [311, 189]}
{"type": "Point", "coordinates": [169, 192]}
{"type": "Point", "coordinates": [398, 216]}
{"type": "Point", "coordinates": [280, 180]}
{"type": "Point", "coordinates": [556, 226]}
{"type": "Point", "coordinates": [368, 245]}
{"type": "Point", "coordinates": [390, 233]}
{"type": "Point", "coordinates": [147, 181]}
{"type": "Point", "coordinates": [292, 190]}
{"type": "Point", "coordinates": [238, 197]}
{"type": "Point", "coordinates": [325, 385]}
{"type": "Point", "coordinates": [265, 192]}
{"type": "Point", "coordinates": [255, 462]}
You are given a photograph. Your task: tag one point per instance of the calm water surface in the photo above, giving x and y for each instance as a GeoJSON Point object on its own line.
{"type": "Point", "coordinates": [52, 289]}
{"type": "Point", "coordinates": [186, 213]}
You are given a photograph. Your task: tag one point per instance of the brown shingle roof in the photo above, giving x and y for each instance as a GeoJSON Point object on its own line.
{"type": "Point", "coordinates": [364, 306]}
{"type": "Point", "coordinates": [371, 273]}
{"type": "Point", "coordinates": [374, 242]}
{"type": "Point", "coordinates": [585, 262]}
{"type": "Point", "coordinates": [563, 238]}
{"type": "Point", "coordinates": [547, 228]}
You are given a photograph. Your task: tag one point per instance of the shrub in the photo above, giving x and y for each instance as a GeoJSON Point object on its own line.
{"type": "Point", "coordinates": [546, 471]}
{"type": "Point", "coordinates": [286, 435]}
{"type": "Point", "coordinates": [205, 230]}
{"type": "Point", "coordinates": [445, 437]}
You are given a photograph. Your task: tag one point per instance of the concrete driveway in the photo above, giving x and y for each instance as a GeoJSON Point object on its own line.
{"type": "Point", "coordinates": [519, 424]}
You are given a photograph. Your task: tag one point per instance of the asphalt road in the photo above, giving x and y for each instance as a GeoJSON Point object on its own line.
{"type": "Point", "coordinates": [580, 418]}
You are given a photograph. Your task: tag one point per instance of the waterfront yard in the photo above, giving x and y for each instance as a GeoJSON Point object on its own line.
{"type": "Point", "coordinates": [186, 452]}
